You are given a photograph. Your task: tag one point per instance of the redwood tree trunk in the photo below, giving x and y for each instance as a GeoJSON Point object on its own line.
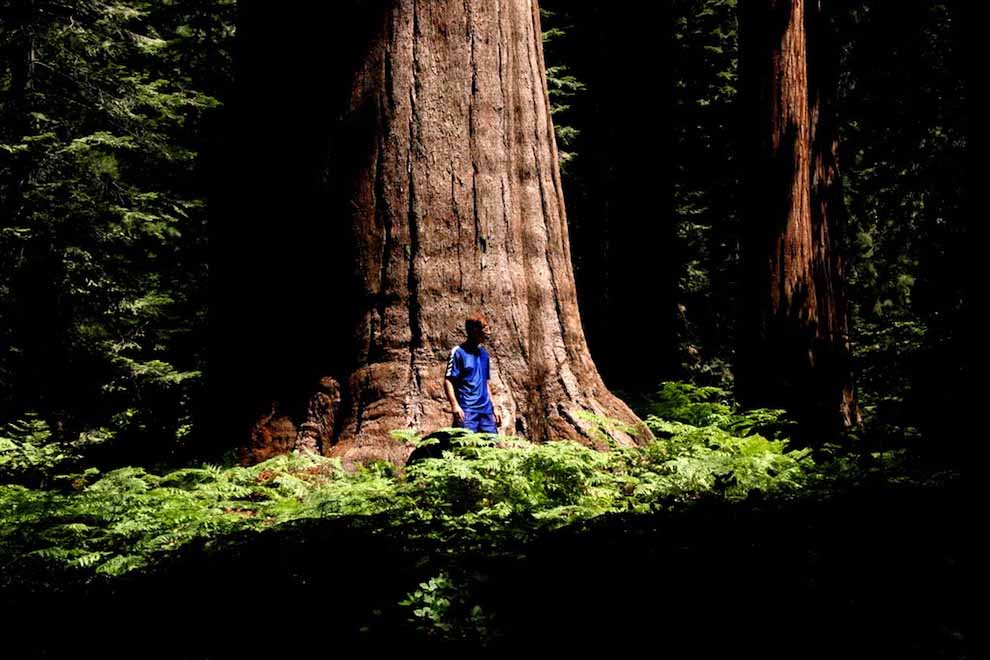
{"type": "Point", "coordinates": [450, 171]}
{"type": "Point", "coordinates": [794, 350]}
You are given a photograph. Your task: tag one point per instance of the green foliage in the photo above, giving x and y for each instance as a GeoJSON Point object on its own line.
{"type": "Point", "coordinates": [442, 609]}
{"type": "Point", "coordinates": [29, 454]}
{"type": "Point", "coordinates": [683, 402]}
{"type": "Point", "coordinates": [26, 446]}
{"type": "Point", "coordinates": [710, 459]}
{"type": "Point", "coordinates": [486, 496]}
{"type": "Point", "coordinates": [903, 170]}
{"type": "Point", "coordinates": [487, 481]}
{"type": "Point", "coordinates": [884, 351]}
{"type": "Point", "coordinates": [562, 86]}
{"type": "Point", "coordinates": [704, 406]}
{"type": "Point", "coordinates": [484, 487]}
{"type": "Point", "coordinates": [705, 181]}
{"type": "Point", "coordinates": [103, 236]}
{"type": "Point", "coordinates": [902, 122]}
{"type": "Point", "coordinates": [903, 99]}
{"type": "Point", "coordinates": [125, 519]}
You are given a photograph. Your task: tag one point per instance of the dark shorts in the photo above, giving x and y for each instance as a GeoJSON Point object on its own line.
{"type": "Point", "coordinates": [479, 422]}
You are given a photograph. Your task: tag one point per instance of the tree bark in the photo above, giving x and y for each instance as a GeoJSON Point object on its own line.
{"type": "Point", "coordinates": [794, 350]}
{"type": "Point", "coordinates": [448, 167]}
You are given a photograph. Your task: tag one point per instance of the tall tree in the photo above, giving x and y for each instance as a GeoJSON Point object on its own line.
{"type": "Point", "coordinates": [793, 349]}
{"type": "Point", "coordinates": [448, 200]}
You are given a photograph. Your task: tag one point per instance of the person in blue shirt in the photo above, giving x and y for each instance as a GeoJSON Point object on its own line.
{"type": "Point", "coordinates": [466, 381]}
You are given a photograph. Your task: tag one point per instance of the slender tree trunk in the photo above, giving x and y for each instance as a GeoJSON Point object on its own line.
{"type": "Point", "coordinates": [793, 350]}
{"type": "Point", "coordinates": [447, 164]}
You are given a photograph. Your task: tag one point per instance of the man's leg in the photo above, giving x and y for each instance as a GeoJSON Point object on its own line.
{"type": "Point", "coordinates": [486, 423]}
{"type": "Point", "coordinates": [470, 421]}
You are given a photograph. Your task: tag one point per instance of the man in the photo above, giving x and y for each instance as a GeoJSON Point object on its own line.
{"type": "Point", "coordinates": [466, 381]}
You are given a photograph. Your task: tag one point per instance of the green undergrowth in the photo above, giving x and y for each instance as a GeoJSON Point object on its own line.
{"type": "Point", "coordinates": [484, 492]}
{"type": "Point", "coordinates": [122, 520]}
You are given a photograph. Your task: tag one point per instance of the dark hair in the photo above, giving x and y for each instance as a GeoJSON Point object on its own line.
{"type": "Point", "coordinates": [474, 321]}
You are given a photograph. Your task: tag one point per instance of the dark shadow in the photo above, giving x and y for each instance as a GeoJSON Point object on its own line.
{"type": "Point", "coordinates": [280, 266]}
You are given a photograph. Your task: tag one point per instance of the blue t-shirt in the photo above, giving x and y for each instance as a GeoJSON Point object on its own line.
{"type": "Point", "coordinates": [469, 373]}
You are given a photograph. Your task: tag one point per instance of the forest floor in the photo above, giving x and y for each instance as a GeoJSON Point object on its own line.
{"type": "Point", "coordinates": [875, 571]}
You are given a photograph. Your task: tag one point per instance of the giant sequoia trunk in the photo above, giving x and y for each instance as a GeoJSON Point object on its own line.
{"type": "Point", "coordinates": [794, 350]}
{"type": "Point", "coordinates": [445, 163]}
{"type": "Point", "coordinates": [457, 206]}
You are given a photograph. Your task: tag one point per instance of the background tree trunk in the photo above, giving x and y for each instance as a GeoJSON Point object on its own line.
{"type": "Point", "coordinates": [793, 349]}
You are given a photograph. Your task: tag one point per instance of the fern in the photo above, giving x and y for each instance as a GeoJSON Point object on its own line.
{"type": "Point", "coordinates": [485, 490]}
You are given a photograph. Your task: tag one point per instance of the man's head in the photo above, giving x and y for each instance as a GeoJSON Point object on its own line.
{"type": "Point", "coordinates": [476, 328]}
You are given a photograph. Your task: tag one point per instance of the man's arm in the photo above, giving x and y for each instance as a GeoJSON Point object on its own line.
{"type": "Point", "coordinates": [498, 418]}
{"type": "Point", "coordinates": [453, 371]}
{"type": "Point", "coordinates": [455, 407]}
